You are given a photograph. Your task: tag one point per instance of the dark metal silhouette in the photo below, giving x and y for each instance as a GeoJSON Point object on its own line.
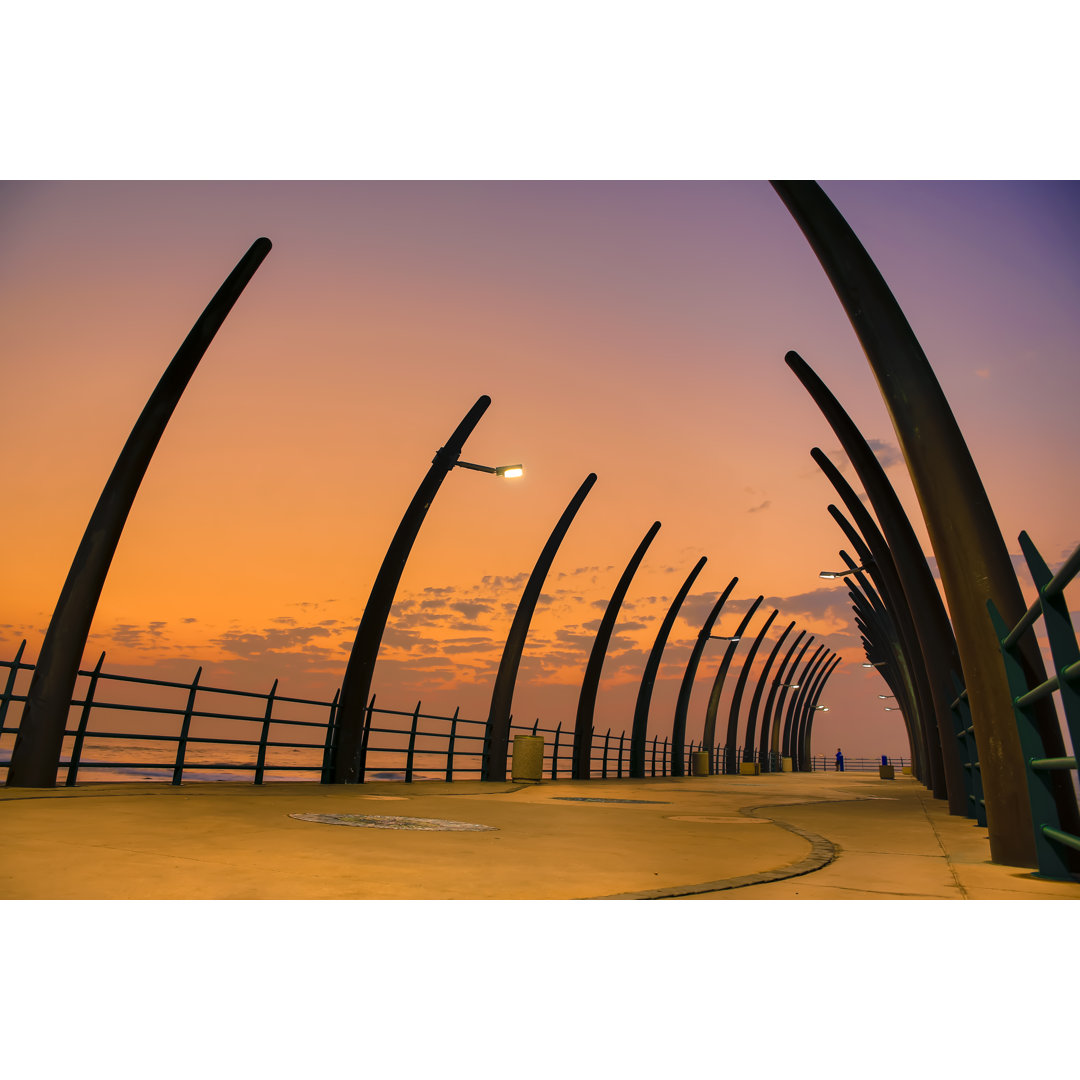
{"type": "Point", "coordinates": [356, 685]}
{"type": "Point", "coordinates": [497, 734]}
{"type": "Point", "coordinates": [929, 626]}
{"type": "Point", "coordinates": [755, 701]}
{"type": "Point", "coordinates": [812, 705]}
{"type": "Point", "coordinates": [779, 748]}
{"type": "Point", "coordinates": [591, 682]}
{"type": "Point", "coordinates": [972, 556]}
{"type": "Point", "coordinates": [682, 706]}
{"type": "Point", "coordinates": [39, 740]}
{"type": "Point", "coordinates": [769, 731]}
{"type": "Point", "coordinates": [652, 666]}
{"type": "Point", "coordinates": [791, 721]}
{"type": "Point", "coordinates": [708, 738]}
{"type": "Point", "coordinates": [736, 698]}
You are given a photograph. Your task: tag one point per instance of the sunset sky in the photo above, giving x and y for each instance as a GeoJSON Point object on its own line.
{"type": "Point", "coordinates": [632, 329]}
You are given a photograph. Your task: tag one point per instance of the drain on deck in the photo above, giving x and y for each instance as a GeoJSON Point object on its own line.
{"type": "Point", "coordinates": [581, 798]}
{"type": "Point", "coordinates": [381, 821]}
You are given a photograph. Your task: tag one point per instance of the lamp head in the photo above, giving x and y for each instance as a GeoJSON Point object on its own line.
{"type": "Point", "coordinates": [509, 470]}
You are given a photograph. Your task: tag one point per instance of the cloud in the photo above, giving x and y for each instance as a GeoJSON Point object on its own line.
{"type": "Point", "coordinates": [269, 642]}
{"type": "Point", "coordinates": [886, 453]}
{"type": "Point", "coordinates": [761, 506]}
{"type": "Point", "coordinates": [470, 609]}
{"type": "Point", "coordinates": [983, 373]}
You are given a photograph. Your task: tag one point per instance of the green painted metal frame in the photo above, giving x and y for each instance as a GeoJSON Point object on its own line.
{"type": "Point", "coordinates": [1057, 847]}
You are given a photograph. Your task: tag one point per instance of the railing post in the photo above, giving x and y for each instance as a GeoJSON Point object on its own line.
{"type": "Point", "coordinates": [181, 744]}
{"type": "Point", "coordinates": [622, 739]}
{"type": "Point", "coordinates": [603, 770]}
{"type": "Point", "coordinates": [653, 769]}
{"type": "Point", "coordinates": [9, 688]}
{"type": "Point", "coordinates": [450, 747]}
{"type": "Point", "coordinates": [412, 745]}
{"type": "Point", "coordinates": [555, 753]}
{"type": "Point", "coordinates": [365, 735]}
{"type": "Point", "coordinates": [330, 741]}
{"type": "Point", "coordinates": [84, 719]}
{"type": "Point", "coordinates": [260, 763]}
{"type": "Point", "coordinates": [664, 760]}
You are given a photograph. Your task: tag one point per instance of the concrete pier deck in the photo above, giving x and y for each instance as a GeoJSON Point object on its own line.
{"type": "Point", "coordinates": [778, 836]}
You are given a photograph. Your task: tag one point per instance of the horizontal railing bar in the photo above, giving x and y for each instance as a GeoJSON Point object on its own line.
{"type": "Point", "coordinates": [1061, 837]}
{"type": "Point", "coordinates": [1068, 571]}
{"type": "Point", "coordinates": [1045, 764]}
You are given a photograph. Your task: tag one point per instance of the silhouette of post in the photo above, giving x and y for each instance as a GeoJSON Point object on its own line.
{"type": "Point", "coordinates": [708, 738]}
{"type": "Point", "coordinates": [791, 721]}
{"type": "Point", "coordinates": [770, 732]}
{"type": "Point", "coordinates": [652, 666]}
{"type": "Point", "coordinates": [682, 706]}
{"type": "Point", "coordinates": [39, 740]}
{"type": "Point", "coordinates": [755, 701]}
{"type": "Point", "coordinates": [736, 699]}
{"type": "Point", "coordinates": [360, 669]}
{"type": "Point", "coordinates": [807, 724]}
{"type": "Point", "coordinates": [497, 733]}
{"type": "Point", "coordinates": [971, 554]}
{"type": "Point", "coordinates": [930, 631]}
{"type": "Point", "coordinates": [590, 683]}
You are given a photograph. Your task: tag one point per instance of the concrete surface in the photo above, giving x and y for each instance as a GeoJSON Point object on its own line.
{"type": "Point", "coordinates": [777, 836]}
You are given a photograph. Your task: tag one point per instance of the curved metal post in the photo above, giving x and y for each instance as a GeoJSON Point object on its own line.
{"type": "Point", "coordinates": [770, 732]}
{"type": "Point", "coordinates": [708, 738]}
{"type": "Point", "coordinates": [971, 554]}
{"type": "Point", "coordinates": [652, 666]}
{"type": "Point", "coordinates": [917, 698]}
{"type": "Point", "coordinates": [811, 709]}
{"type": "Point", "coordinates": [356, 685]}
{"type": "Point", "coordinates": [926, 635]}
{"type": "Point", "coordinates": [682, 706]}
{"type": "Point", "coordinates": [40, 738]}
{"type": "Point", "coordinates": [791, 725]}
{"type": "Point", "coordinates": [497, 733]}
{"type": "Point", "coordinates": [736, 698]}
{"type": "Point", "coordinates": [777, 723]}
{"type": "Point", "coordinates": [799, 736]}
{"type": "Point", "coordinates": [591, 682]}
{"type": "Point", "coordinates": [755, 701]}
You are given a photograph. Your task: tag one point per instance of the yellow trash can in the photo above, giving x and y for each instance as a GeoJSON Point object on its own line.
{"type": "Point", "coordinates": [528, 760]}
{"type": "Point", "coordinates": [749, 768]}
{"type": "Point", "coordinates": [699, 763]}
{"type": "Point", "coordinates": [787, 764]}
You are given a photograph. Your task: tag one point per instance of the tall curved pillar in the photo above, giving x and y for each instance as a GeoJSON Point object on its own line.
{"type": "Point", "coordinates": [360, 669]}
{"type": "Point", "coordinates": [39, 740]}
{"type": "Point", "coordinates": [708, 738]}
{"type": "Point", "coordinates": [497, 732]}
{"type": "Point", "coordinates": [639, 731]}
{"type": "Point", "coordinates": [682, 706]}
{"type": "Point", "coordinates": [591, 682]}
{"type": "Point", "coordinates": [755, 701]}
{"type": "Point", "coordinates": [971, 554]}
{"type": "Point", "coordinates": [795, 709]}
{"type": "Point", "coordinates": [731, 742]}
{"type": "Point", "coordinates": [811, 708]}
{"type": "Point", "coordinates": [770, 732]}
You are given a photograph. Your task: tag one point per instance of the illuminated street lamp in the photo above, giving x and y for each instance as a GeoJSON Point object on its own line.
{"type": "Point", "coordinates": [876, 663]}
{"type": "Point", "coordinates": [885, 697]}
{"type": "Point", "coordinates": [830, 575]}
{"type": "Point", "coordinates": [496, 470]}
{"type": "Point", "coordinates": [356, 685]}
{"type": "Point", "coordinates": [721, 637]}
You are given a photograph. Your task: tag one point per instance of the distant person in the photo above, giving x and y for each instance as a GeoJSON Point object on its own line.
{"type": "Point", "coordinates": [839, 760]}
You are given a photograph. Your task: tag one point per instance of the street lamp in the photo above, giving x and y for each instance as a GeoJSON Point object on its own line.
{"type": "Point", "coordinates": [721, 637]}
{"type": "Point", "coordinates": [495, 470]}
{"type": "Point", "coordinates": [830, 575]}
{"type": "Point", "coordinates": [876, 663]}
{"type": "Point", "coordinates": [885, 697]}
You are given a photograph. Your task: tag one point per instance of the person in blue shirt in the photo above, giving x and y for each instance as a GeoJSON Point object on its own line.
{"type": "Point", "coordinates": [839, 760]}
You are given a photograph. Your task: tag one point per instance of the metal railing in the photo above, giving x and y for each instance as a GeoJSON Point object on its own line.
{"type": "Point", "coordinates": [1051, 840]}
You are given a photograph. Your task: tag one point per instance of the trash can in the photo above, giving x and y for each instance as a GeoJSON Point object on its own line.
{"type": "Point", "coordinates": [699, 765]}
{"type": "Point", "coordinates": [749, 768]}
{"type": "Point", "coordinates": [787, 764]}
{"type": "Point", "coordinates": [886, 772]}
{"type": "Point", "coordinates": [528, 760]}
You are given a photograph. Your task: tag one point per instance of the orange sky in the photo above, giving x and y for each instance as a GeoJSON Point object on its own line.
{"type": "Point", "coordinates": [632, 329]}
